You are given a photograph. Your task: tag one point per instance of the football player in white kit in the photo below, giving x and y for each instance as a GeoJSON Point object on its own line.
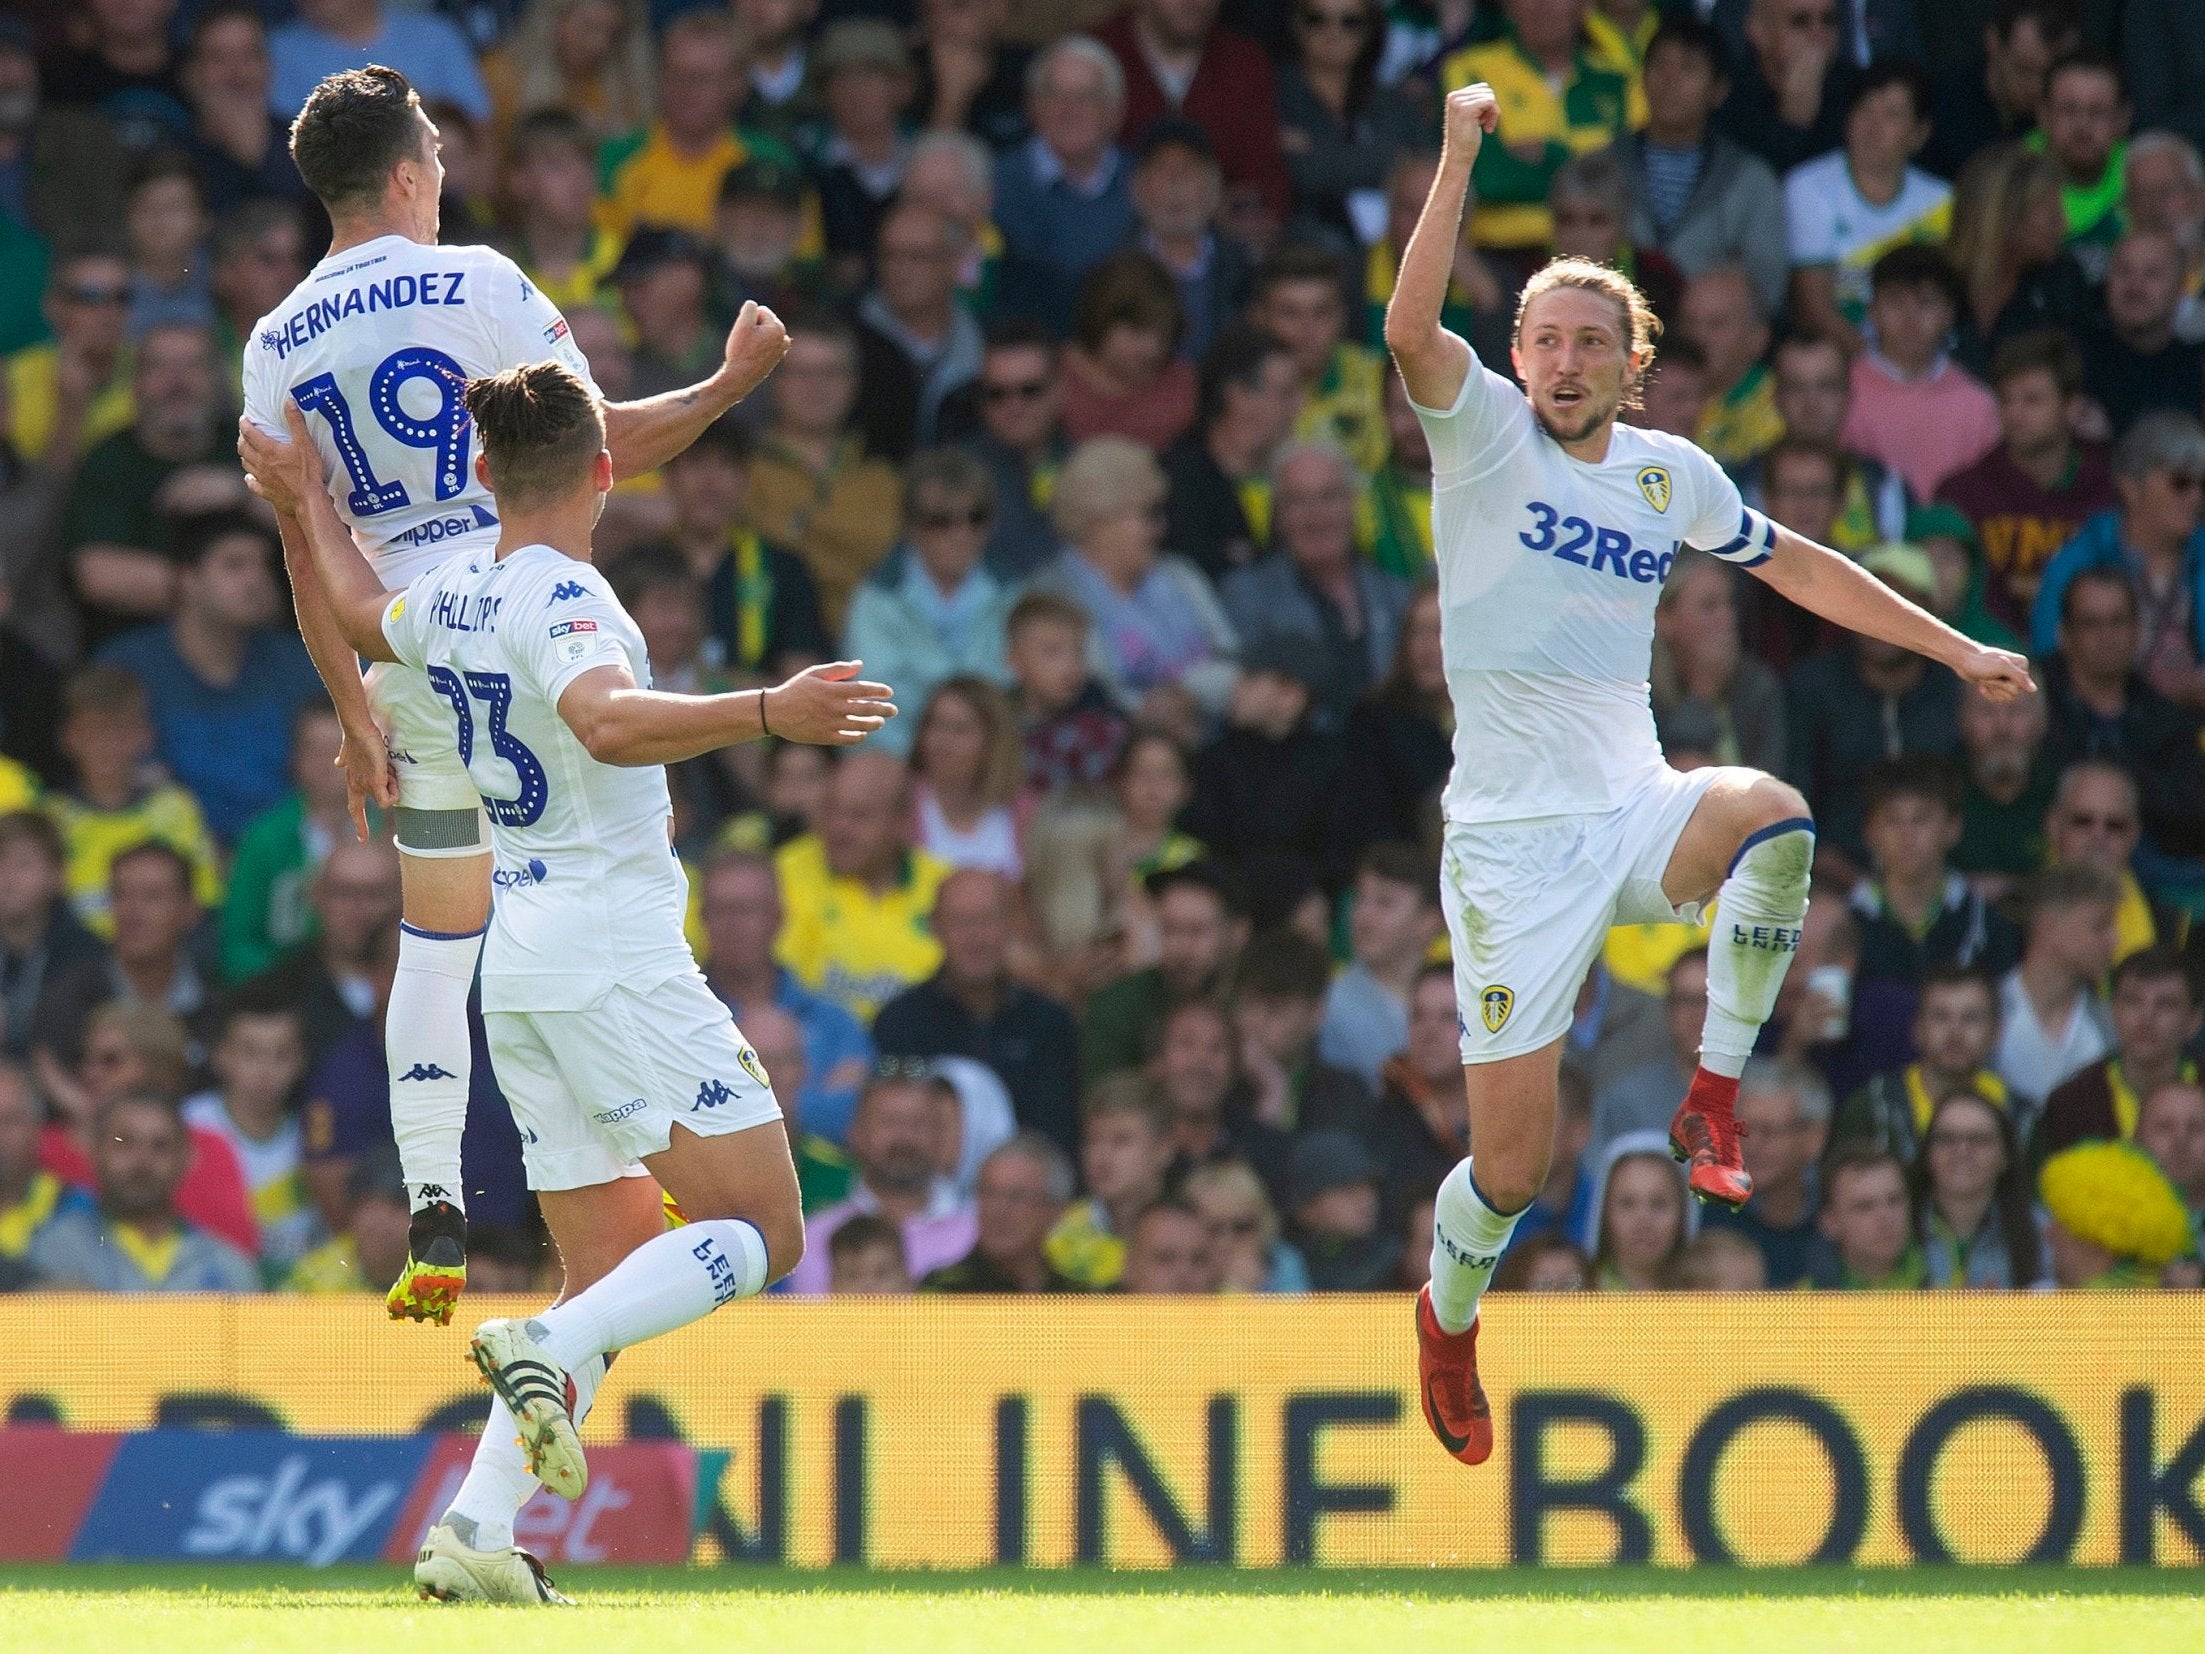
{"type": "Point", "coordinates": [375, 344]}
{"type": "Point", "coordinates": [620, 1063]}
{"type": "Point", "coordinates": [1555, 528]}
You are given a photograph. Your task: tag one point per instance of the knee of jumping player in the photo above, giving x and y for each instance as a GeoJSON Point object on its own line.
{"type": "Point", "coordinates": [784, 1235]}
{"type": "Point", "coordinates": [1510, 1182]}
{"type": "Point", "coordinates": [1773, 803]}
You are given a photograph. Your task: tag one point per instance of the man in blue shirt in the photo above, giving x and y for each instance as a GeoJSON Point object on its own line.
{"type": "Point", "coordinates": [1064, 199]}
{"type": "Point", "coordinates": [330, 35]}
{"type": "Point", "coordinates": [224, 681]}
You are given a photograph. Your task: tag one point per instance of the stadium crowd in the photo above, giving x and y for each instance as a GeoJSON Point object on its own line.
{"type": "Point", "coordinates": [1116, 963]}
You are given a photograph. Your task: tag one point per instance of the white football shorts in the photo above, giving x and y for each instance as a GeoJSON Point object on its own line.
{"type": "Point", "coordinates": [1529, 904]}
{"type": "Point", "coordinates": [423, 732]}
{"type": "Point", "coordinates": [595, 1091]}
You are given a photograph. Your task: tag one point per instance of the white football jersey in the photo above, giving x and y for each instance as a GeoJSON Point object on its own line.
{"type": "Point", "coordinates": [1548, 573]}
{"type": "Point", "coordinates": [376, 344]}
{"type": "Point", "coordinates": [589, 892]}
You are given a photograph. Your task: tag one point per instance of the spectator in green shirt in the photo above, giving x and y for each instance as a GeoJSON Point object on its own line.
{"type": "Point", "coordinates": [269, 911]}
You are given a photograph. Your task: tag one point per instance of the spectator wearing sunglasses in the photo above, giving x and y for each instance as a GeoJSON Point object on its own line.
{"type": "Point", "coordinates": [1014, 416]}
{"type": "Point", "coordinates": [2155, 536]}
{"type": "Point", "coordinates": [67, 394]}
{"type": "Point", "coordinates": [1792, 84]}
{"type": "Point", "coordinates": [1340, 126]}
{"type": "Point", "coordinates": [934, 610]}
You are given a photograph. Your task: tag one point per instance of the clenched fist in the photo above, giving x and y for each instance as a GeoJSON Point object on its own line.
{"type": "Point", "coordinates": [1471, 112]}
{"type": "Point", "coordinates": [755, 346]}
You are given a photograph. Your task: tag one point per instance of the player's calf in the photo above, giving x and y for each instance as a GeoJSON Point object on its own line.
{"type": "Point", "coordinates": [1759, 912]}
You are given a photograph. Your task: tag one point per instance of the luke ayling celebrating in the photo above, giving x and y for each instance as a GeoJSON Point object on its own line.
{"type": "Point", "coordinates": [621, 1065]}
{"type": "Point", "coordinates": [1555, 528]}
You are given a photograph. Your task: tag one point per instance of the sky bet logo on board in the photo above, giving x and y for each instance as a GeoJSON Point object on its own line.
{"type": "Point", "coordinates": [250, 1495]}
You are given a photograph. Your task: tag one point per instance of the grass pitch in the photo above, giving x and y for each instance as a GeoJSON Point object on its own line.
{"type": "Point", "coordinates": [226, 1609]}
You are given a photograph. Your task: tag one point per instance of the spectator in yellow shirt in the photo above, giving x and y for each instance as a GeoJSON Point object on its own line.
{"type": "Point", "coordinates": [107, 736]}
{"type": "Point", "coordinates": [67, 394]}
{"type": "Point", "coordinates": [668, 173]}
{"type": "Point", "coordinates": [1300, 298]}
{"type": "Point", "coordinates": [1559, 97]}
{"type": "Point", "coordinates": [857, 895]}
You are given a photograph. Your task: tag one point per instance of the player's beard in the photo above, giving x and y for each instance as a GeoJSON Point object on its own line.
{"type": "Point", "coordinates": [1578, 423]}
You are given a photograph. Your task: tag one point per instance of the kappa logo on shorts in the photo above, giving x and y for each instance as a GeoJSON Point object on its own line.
{"type": "Point", "coordinates": [1653, 482]}
{"type": "Point", "coordinates": [613, 1116]}
{"type": "Point", "coordinates": [1494, 1005]}
{"type": "Point", "coordinates": [713, 1093]}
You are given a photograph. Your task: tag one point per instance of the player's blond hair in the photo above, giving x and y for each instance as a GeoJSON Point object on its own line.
{"type": "Point", "coordinates": [1641, 326]}
{"type": "Point", "coordinates": [540, 429]}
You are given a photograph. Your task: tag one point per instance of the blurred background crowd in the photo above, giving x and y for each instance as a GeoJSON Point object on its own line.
{"type": "Point", "coordinates": [1116, 963]}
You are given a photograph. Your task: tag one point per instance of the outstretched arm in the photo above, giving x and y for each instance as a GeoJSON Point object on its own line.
{"type": "Point", "coordinates": [1433, 361]}
{"type": "Point", "coordinates": [1832, 585]}
{"type": "Point", "coordinates": [288, 475]}
{"type": "Point", "coordinates": [642, 436]}
{"type": "Point", "coordinates": [621, 724]}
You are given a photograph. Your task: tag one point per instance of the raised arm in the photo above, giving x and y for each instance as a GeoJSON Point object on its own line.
{"type": "Point", "coordinates": [1832, 585]}
{"type": "Point", "coordinates": [288, 475]}
{"type": "Point", "coordinates": [618, 723]}
{"type": "Point", "coordinates": [642, 436]}
{"type": "Point", "coordinates": [1433, 361]}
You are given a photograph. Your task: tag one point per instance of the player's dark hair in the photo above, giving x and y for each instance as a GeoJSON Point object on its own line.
{"type": "Point", "coordinates": [1235, 357]}
{"type": "Point", "coordinates": [2044, 350]}
{"type": "Point", "coordinates": [193, 537]}
{"type": "Point", "coordinates": [356, 126]}
{"type": "Point", "coordinates": [2161, 962]}
{"type": "Point", "coordinates": [1683, 32]}
{"type": "Point", "coordinates": [2107, 575]}
{"type": "Point", "coordinates": [1641, 327]}
{"type": "Point", "coordinates": [1913, 775]}
{"type": "Point", "coordinates": [1887, 72]}
{"type": "Point", "coordinates": [540, 429]}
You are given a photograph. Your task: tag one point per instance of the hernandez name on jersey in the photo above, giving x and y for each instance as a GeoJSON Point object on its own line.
{"type": "Point", "coordinates": [589, 891]}
{"type": "Point", "coordinates": [1549, 569]}
{"type": "Point", "coordinates": [375, 345]}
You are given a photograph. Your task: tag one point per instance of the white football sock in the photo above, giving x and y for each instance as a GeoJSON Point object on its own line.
{"type": "Point", "coordinates": [1758, 914]}
{"type": "Point", "coordinates": [498, 1482]}
{"type": "Point", "coordinates": [1468, 1238]}
{"type": "Point", "coordinates": [425, 1040]}
{"type": "Point", "coordinates": [667, 1282]}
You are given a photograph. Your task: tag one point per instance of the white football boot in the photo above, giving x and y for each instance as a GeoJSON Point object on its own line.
{"type": "Point", "coordinates": [539, 1394]}
{"type": "Point", "coordinates": [450, 1570]}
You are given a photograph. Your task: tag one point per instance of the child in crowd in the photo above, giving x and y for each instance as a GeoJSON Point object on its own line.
{"type": "Point", "coordinates": [1125, 1152]}
{"type": "Point", "coordinates": [1071, 728]}
{"type": "Point", "coordinates": [865, 1258]}
{"type": "Point", "coordinates": [259, 1057]}
{"type": "Point", "coordinates": [113, 803]}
